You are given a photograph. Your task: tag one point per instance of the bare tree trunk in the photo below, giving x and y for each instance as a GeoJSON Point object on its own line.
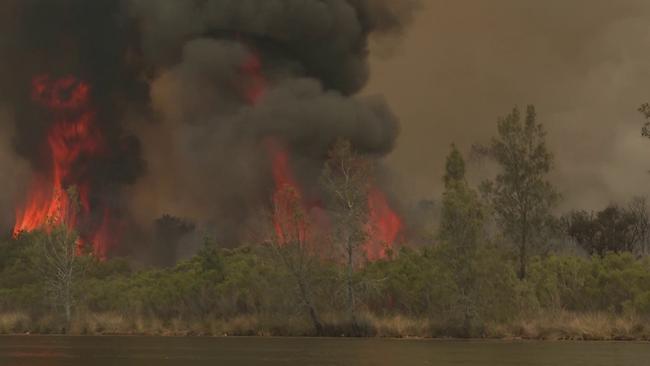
{"type": "Point", "coordinates": [313, 314]}
{"type": "Point", "coordinates": [68, 312]}
{"type": "Point", "coordinates": [68, 302]}
{"type": "Point", "coordinates": [350, 289]}
{"type": "Point", "coordinates": [522, 253]}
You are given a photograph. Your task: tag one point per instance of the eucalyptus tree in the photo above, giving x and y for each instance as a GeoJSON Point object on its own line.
{"type": "Point", "coordinates": [461, 229]}
{"type": "Point", "coordinates": [521, 196]}
{"type": "Point", "coordinates": [293, 243]}
{"type": "Point", "coordinates": [346, 182]}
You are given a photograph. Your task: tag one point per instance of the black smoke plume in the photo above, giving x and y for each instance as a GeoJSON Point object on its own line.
{"type": "Point", "coordinates": [171, 83]}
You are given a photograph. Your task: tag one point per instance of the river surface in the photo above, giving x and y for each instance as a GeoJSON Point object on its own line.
{"type": "Point", "coordinates": [100, 351]}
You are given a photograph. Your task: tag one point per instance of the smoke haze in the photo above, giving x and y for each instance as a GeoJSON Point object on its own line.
{"type": "Point", "coordinates": [184, 96]}
{"type": "Point", "coordinates": [583, 63]}
{"type": "Point", "coordinates": [187, 92]}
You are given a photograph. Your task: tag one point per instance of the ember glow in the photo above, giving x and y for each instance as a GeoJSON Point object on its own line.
{"type": "Point", "coordinates": [72, 142]}
{"type": "Point", "coordinates": [255, 87]}
{"type": "Point", "coordinates": [288, 215]}
{"type": "Point", "coordinates": [147, 116]}
{"type": "Point", "coordinates": [384, 225]}
{"type": "Point", "coordinates": [287, 196]}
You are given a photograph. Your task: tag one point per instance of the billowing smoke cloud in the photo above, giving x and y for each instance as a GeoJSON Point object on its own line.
{"type": "Point", "coordinates": [187, 92]}
{"type": "Point", "coordinates": [323, 39]}
{"type": "Point", "coordinates": [584, 63]}
{"type": "Point", "coordinates": [65, 67]}
{"type": "Point", "coordinates": [312, 56]}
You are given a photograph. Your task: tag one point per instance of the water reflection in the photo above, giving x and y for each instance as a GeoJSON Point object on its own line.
{"type": "Point", "coordinates": [100, 351]}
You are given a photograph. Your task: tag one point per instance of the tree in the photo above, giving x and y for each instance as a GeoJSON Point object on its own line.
{"type": "Point", "coordinates": [638, 207]}
{"type": "Point", "coordinates": [520, 195]}
{"type": "Point", "coordinates": [58, 262]}
{"type": "Point", "coordinates": [169, 231]}
{"type": "Point", "coordinates": [57, 255]}
{"type": "Point", "coordinates": [645, 110]}
{"type": "Point", "coordinates": [346, 182]}
{"type": "Point", "coordinates": [614, 229]}
{"type": "Point", "coordinates": [291, 244]}
{"type": "Point", "coordinates": [461, 227]}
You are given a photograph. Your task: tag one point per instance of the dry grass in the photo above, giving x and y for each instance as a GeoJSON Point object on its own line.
{"type": "Point", "coordinates": [549, 326]}
{"type": "Point", "coordinates": [101, 323]}
{"type": "Point", "coordinates": [398, 326]}
{"type": "Point", "coordinates": [571, 326]}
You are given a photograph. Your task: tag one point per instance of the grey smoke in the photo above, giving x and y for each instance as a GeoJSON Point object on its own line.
{"type": "Point", "coordinates": [584, 63]}
{"type": "Point", "coordinates": [170, 90]}
{"type": "Point", "coordinates": [326, 39]}
{"type": "Point", "coordinates": [205, 148]}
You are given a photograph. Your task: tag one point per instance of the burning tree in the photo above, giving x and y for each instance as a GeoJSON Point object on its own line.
{"type": "Point", "coordinates": [291, 243]}
{"type": "Point", "coordinates": [346, 181]}
{"type": "Point", "coordinates": [57, 257]}
{"type": "Point", "coordinates": [74, 145]}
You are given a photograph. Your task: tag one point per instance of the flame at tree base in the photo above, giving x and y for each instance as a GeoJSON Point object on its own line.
{"type": "Point", "coordinates": [72, 142]}
{"type": "Point", "coordinates": [384, 225]}
{"type": "Point", "coordinates": [288, 212]}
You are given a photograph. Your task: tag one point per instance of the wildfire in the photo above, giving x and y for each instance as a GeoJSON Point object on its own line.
{"type": "Point", "coordinates": [72, 142]}
{"type": "Point", "coordinates": [288, 215]}
{"type": "Point", "coordinates": [256, 84]}
{"type": "Point", "coordinates": [384, 225]}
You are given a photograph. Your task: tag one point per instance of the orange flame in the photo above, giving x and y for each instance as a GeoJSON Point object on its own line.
{"type": "Point", "coordinates": [287, 197]}
{"type": "Point", "coordinates": [72, 138]}
{"type": "Point", "coordinates": [384, 225]}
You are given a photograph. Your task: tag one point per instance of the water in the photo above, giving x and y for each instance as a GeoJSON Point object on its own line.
{"type": "Point", "coordinates": [100, 351]}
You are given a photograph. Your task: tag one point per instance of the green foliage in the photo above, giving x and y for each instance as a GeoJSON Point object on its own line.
{"type": "Point", "coordinates": [520, 195]}
{"type": "Point", "coordinates": [463, 216]}
{"type": "Point", "coordinates": [422, 283]}
{"type": "Point", "coordinates": [615, 283]}
{"type": "Point", "coordinates": [454, 167]}
{"type": "Point", "coordinates": [461, 227]}
{"type": "Point", "coordinates": [614, 229]}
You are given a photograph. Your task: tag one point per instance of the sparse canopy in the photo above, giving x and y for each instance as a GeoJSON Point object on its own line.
{"type": "Point", "coordinates": [454, 168]}
{"type": "Point", "coordinates": [614, 229]}
{"type": "Point", "coordinates": [346, 182]}
{"type": "Point", "coordinates": [461, 225]}
{"type": "Point", "coordinates": [291, 245]}
{"type": "Point", "coordinates": [521, 196]}
{"type": "Point", "coordinates": [462, 213]}
{"type": "Point", "coordinates": [645, 110]}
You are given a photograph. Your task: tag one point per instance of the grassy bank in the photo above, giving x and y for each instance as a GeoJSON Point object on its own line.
{"type": "Point", "coordinates": [414, 293]}
{"type": "Point", "coordinates": [554, 327]}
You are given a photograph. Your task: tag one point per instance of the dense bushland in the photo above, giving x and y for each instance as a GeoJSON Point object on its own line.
{"type": "Point", "coordinates": [501, 263]}
{"type": "Point", "coordinates": [243, 291]}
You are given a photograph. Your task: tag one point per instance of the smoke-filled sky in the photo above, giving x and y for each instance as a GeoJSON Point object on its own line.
{"type": "Point", "coordinates": [585, 64]}
{"type": "Point", "coordinates": [185, 95]}
{"type": "Point", "coordinates": [154, 108]}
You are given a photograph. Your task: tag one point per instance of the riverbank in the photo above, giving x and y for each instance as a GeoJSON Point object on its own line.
{"type": "Point", "coordinates": [552, 327]}
{"type": "Point", "coordinates": [269, 351]}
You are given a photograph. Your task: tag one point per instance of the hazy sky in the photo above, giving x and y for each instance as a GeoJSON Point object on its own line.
{"type": "Point", "coordinates": [585, 64]}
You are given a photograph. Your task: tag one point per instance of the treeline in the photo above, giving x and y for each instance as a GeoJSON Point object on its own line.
{"type": "Point", "coordinates": [415, 293]}
{"type": "Point", "coordinates": [502, 263]}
